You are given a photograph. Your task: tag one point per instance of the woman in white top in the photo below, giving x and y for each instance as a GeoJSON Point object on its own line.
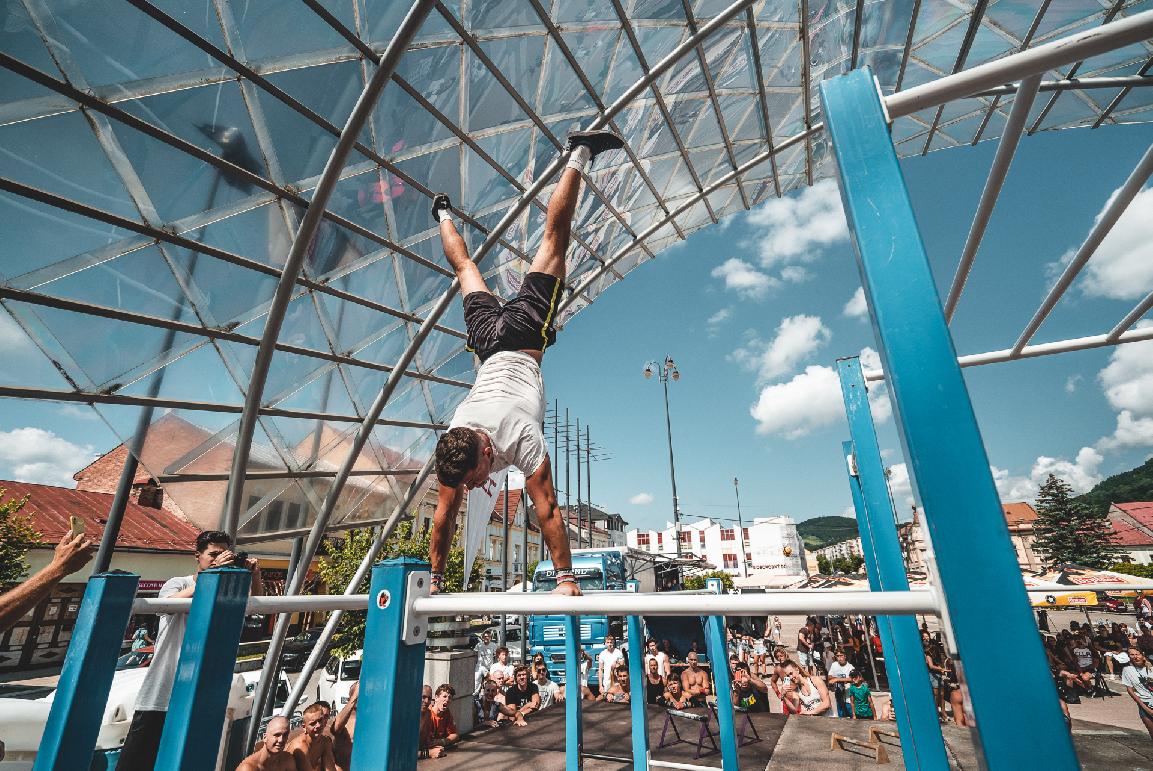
{"type": "Point", "coordinates": [811, 694]}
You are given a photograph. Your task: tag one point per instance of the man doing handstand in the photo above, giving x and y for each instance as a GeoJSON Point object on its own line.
{"type": "Point", "coordinates": [499, 424]}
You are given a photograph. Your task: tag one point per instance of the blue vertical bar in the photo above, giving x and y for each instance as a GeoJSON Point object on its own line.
{"type": "Point", "coordinates": [82, 692]}
{"type": "Point", "coordinates": [922, 744]}
{"type": "Point", "coordinates": [723, 680]}
{"type": "Point", "coordinates": [975, 560]}
{"type": "Point", "coordinates": [199, 700]}
{"type": "Point", "coordinates": [574, 734]}
{"type": "Point", "coordinates": [392, 671]}
{"type": "Point", "coordinates": [639, 688]}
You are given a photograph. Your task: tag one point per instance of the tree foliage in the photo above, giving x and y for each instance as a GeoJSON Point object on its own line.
{"type": "Point", "coordinates": [819, 532]}
{"type": "Point", "coordinates": [1128, 486]}
{"type": "Point", "coordinates": [345, 554]}
{"type": "Point", "coordinates": [17, 536]}
{"type": "Point", "coordinates": [847, 565]}
{"type": "Point", "coordinates": [1069, 531]}
{"type": "Point", "coordinates": [1133, 569]}
{"type": "Point", "coordinates": [699, 581]}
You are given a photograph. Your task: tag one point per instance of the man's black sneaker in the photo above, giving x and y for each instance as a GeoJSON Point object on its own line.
{"type": "Point", "coordinates": [440, 203]}
{"type": "Point", "coordinates": [596, 141]}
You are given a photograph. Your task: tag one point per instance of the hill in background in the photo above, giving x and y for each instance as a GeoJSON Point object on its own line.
{"type": "Point", "coordinates": [819, 532]}
{"type": "Point", "coordinates": [1126, 487]}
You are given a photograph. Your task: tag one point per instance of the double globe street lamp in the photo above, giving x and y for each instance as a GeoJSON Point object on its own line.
{"type": "Point", "coordinates": [666, 371]}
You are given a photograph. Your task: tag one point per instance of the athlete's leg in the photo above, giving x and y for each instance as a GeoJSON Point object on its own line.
{"type": "Point", "coordinates": [455, 249]}
{"type": "Point", "coordinates": [552, 525]}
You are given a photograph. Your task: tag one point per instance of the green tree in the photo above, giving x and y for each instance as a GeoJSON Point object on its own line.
{"type": "Point", "coordinates": [848, 565]}
{"type": "Point", "coordinates": [698, 581]}
{"type": "Point", "coordinates": [344, 556]}
{"type": "Point", "coordinates": [1068, 531]}
{"type": "Point", "coordinates": [1132, 569]}
{"type": "Point", "coordinates": [17, 536]}
{"type": "Point", "coordinates": [824, 567]}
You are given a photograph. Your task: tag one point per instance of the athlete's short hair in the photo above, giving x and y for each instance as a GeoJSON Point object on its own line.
{"type": "Point", "coordinates": [314, 709]}
{"type": "Point", "coordinates": [457, 453]}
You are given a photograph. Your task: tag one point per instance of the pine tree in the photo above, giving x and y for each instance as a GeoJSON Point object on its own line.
{"type": "Point", "coordinates": [1067, 531]}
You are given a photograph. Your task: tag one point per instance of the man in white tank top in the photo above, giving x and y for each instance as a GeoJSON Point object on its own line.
{"type": "Point", "coordinates": [499, 424]}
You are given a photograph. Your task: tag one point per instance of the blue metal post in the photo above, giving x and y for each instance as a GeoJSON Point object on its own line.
{"type": "Point", "coordinates": [717, 646]}
{"type": "Point", "coordinates": [82, 692]}
{"type": "Point", "coordinates": [638, 688]}
{"type": "Point", "coordinates": [922, 744]}
{"type": "Point", "coordinates": [574, 734]}
{"type": "Point", "coordinates": [392, 671]}
{"type": "Point", "coordinates": [977, 566]}
{"type": "Point", "coordinates": [199, 700]}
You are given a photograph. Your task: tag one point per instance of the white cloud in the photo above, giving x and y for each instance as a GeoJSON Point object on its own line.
{"type": "Point", "coordinates": [1122, 266]}
{"type": "Point", "coordinates": [641, 499]}
{"type": "Point", "coordinates": [1081, 473]}
{"type": "Point", "coordinates": [78, 413]}
{"type": "Point", "coordinates": [856, 307]}
{"type": "Point", "coordinates": [797, 338]}
{"type": "Point", "coordinates": [744, 279]}
{"type": "Point", "coordinates": [810, 401]}
{"type": "Point", "coordinates": [796, 274]}
{"type": "Point", "coordinates": [900, 485]}
{"type": "Point", "coordinates": [39, 456]}
{"type": "Point", "coordinates": [717, 319]}
{"type": "Point", "coordinates": [1071, 384]}
{"type": "Point", "coordinates": [12, 337]}
{"type": "Point", "coordinates": [796, 228]}
{"type": "Point", "coordinates": [1131, 432]}
{"type": "Point", "coordinates": [1128, 378]}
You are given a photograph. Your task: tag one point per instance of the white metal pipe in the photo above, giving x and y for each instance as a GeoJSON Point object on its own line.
{"type": "Point", "coordinates": [1083, 45]}
{"type": "Point", "coordinates": [1077, 84]}
{"type": "Point", "coordinates": [298, 603]}
{"type": "Point", "coordinates": [1113, 211]}
{"type": "Point", "coordinates": [1042, 349]}
{"type": "Point", "coordinates": [1006, 149]}
{"type": "Point", "coordinates": [688, 766]}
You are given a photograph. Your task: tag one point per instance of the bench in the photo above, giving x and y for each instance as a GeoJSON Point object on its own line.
{"type": "Point", "coordinates": [838, 742]}
{"type": "Point", "coordinates": [705, 731]}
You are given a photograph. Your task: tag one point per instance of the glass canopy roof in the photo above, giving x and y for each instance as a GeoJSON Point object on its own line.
{"type": "Point", "coordinates": [156, 159]}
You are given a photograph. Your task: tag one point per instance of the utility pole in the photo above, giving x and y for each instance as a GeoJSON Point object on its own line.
{"type": "Point", "coordinates": [740, 530]}
{"type": "Point", "coordinates": [580, 512]}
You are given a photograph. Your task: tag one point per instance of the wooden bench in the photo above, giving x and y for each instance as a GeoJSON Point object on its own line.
{"type": "Point", "coordinates": [838, 742]}
{"type": "Point", "coordinates": [875, 731]}
{"type": "Point", "coordinates": [704, 733]}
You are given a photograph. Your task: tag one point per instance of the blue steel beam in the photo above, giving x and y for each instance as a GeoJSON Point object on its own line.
{"type": "Point", "coordinates": [716, 644]}
{"type": "Point", "coordinates": [204, 675]}
{"type": "Point", "coordinates": [638, 689]}
{"type": "Point", "coordinates": [977, 567]}
{"type": "Point", "coordinates": [391, 673]}
{"type": "Point", "coordinates": [573, 732]}
{"type": "Point", "coordinates": [78, 706]}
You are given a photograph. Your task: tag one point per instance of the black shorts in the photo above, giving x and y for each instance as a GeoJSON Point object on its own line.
{"type": "Point", "coordinates": [524, 323]}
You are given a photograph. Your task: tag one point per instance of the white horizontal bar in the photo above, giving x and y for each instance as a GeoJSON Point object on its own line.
{"type": "Point", "coordinates": [1033, 61]}
{"type": "Point", "coordinates": [263, 605]}
{"type": "Point", "coordinates": [1041, 349]}
{"type": "Point", "coordinates": [689, 766]}
{"type": "Point", "coordinates": [658, 604]}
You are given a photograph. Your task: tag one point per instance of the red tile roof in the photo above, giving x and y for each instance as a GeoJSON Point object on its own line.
{"type": "Point", "coordinates": [1132, 523]}
{"type": "Point", "coordinates": [514, 499]}
{"type": "Point", "coordinates": [142, 528]}
{"type": "Point", "coordinates": [1019, 514]}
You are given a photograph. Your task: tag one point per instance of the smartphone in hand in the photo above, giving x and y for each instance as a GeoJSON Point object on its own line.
{"type": "Point", "coordinates": [77, 525]}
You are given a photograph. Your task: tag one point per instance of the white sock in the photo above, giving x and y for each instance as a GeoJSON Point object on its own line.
{"type": "Point", "coordinates": [445, 215]}
{"type": "Point", "coordinates": [579, 159]}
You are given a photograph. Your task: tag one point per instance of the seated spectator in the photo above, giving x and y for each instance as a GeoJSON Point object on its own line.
{"type": "Point", "coordinates": [668, 649]}
{"type": "Point", "coordinates": [695, 681]}
{"type": "Point", "coordinates": [521, 698]}
{"type": "Point", "coordinates": [1138, 681]}
{"type": "Point", "coordinates": [805, 694]}
{"type": "Point", "coordinates": [1083, 655]}
{"type": "Point", "coordinates": [674, 696]}
{"type": "Point", "coordinates": [343, 730]}
{"type": "Point", "coordinates": [438, 731]}
{"type": "Point", "coordinates": [312, 749]}
{"type": "Point", "coordinates": [840, 675]}
{"type": "Point", "coordinates": [861, 698]}
{"type": "Point", "coordinates": [749, 691]}
{"type": "Point", "coordinates": [654, 682]}
{"type": "Point", "coordinates": [502, 667]}
{"type": "Point", "coordinates": [271, 755]}
{"type": "Point", "coordinates": [1144, 641]}
{"type": "Point", "coordinates": [608, 660]}
{"type": "Point", "coordinates": [618, 692]}
{"type": "Point", "coordinates": [502, 683]}
{"type": "Point", "coordinates": [664, 667]}
{"type": "Point", "coordinates": [487, 704]}
{"type": "Point", "coordinates": [549, 691]}
{"type": "Point", "coordinates": [72, 553]}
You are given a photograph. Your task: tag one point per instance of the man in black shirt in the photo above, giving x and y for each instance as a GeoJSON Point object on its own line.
{"type": "Point", "coordinates": [749, 691]}
{"type": "Point", "coordinates": [654, 683]}
{"type": "Point", "coordinates": [522, 697]}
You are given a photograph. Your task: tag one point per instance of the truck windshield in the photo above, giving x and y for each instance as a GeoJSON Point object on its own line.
{"type": "Point", "coordinates": [586, 581]}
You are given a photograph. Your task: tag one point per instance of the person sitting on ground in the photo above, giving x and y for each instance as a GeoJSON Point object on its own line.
{"type": "Point", "coordinates": [441, 730]}
{"type": "Point", "coordinates": [664, 667]}
{"type": "Point", "coordinates": [608, 660]}
{"type": "Point", "coordinates": [654, 683]}
{"type": "Point", "coordinates": [1085, 658]}
{"type": "Point", "coordinates": [674, 696]}
{"type": "Point", "coordinates": [521, 698]}
{"type": "Point", "coordinates": [343, 730]}
{"type": "Point", "coordinates": [618, 692]}
{"type": "Point", "coordinates": [312, 749]}
{"type": "Point", "coordinates": [550, 692]}
{"type": "Point", "coordinates": [695, 681]}
{"type": "Point", "coordinates": [499, 423]}
{"type": "Point", "coordinates": [1144, 641]}
{"type": "Point", "coordinates": [1138, 681]}
{"type": "Point", "coordinates": [501, 667]}
{"type": "Point", "coordinates": [840, 675]}
{"type": "Point", "coordinates": [749, 691]}
{"type": "Point", "coordinates": [271, 755]}
{"type": "Point", "coordinates": [487, 704]}
{"type": "Point", "coordinates": [72, 553]}
{"type": "Point", "coordinates": [810, 696]}
{"type": "Point", "coordinates": [861, 698]}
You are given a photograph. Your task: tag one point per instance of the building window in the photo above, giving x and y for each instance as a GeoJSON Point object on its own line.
{"type": "Point", "coordinates": [643, 539]}
{"type": "Point", "coordinates": [745, 533]}
{"type": "Point", "coordinates": [702, 534]}
{"type": "Point", "coordinates": [728, 534]}
{"type": "Point", "coordinates": [687, 538]}
{"type": "Point", "coordinates": [730, 561]}
{"type": "Point", "coordinates": [660, 539]}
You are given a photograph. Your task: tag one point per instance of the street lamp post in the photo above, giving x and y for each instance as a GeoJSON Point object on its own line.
{"type": "Point", "coordinates": [664, 372]}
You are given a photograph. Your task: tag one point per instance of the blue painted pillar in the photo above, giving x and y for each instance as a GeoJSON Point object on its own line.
{"type": "Point", "coordinates": [723, 680]}
{"type": "Point", "coordinates": [393, 669]}
{"type": "Point", "coordinates": [199, 700]}
{"type": "Point", "coordinates": [638, 675]}
{"type": "Point", "coordinates": [574, 733]}
{"type": "Point", "coordinates": [980, 580]}
{"type": "Point", "coordinates": [82, 692]}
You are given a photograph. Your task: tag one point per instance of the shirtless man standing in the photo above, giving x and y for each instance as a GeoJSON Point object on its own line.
{"type": "Point", "coordinates": [499, 423]}
{"type": "Point", "coordinates": [271, 755]}
{"type": "Point", "coordinates": [695, 681]}
{"type": "Point", "coordinates": [343, 729]}
{"type": "Point", "coordinates": [312, 750]}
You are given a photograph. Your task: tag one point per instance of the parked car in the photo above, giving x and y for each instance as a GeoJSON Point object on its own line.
{"type": "Point", "coordinates": [297, 650]}
{"type": "Point", "coordinates": [141, 657]}
{"type": "Point", "coordinates": [1111, 604]}
{"type": "Point", "coordinates": [339, 675]}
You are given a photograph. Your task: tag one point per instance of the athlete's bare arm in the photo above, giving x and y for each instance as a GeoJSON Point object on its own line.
{"type": "Point", "coordinates": [543, 494]}
{"type": "Point", "coordinates": [444, 525]}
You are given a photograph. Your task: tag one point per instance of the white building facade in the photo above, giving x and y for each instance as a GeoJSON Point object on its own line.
{"type": "Point", "coordinates": [768, 552]}
{"type": "Point", "coordinates": [850, 548]}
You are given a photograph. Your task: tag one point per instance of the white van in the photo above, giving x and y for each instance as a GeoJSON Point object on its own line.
{"type": "Point", "coordinates": [339, 675]}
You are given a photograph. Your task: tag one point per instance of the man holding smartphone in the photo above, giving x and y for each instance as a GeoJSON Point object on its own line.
{"type": "Point", "coordinates": [213, 550]}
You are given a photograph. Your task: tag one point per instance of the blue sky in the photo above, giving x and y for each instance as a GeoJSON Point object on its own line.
{"type": "Point", "coordinates": [756, 310]}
